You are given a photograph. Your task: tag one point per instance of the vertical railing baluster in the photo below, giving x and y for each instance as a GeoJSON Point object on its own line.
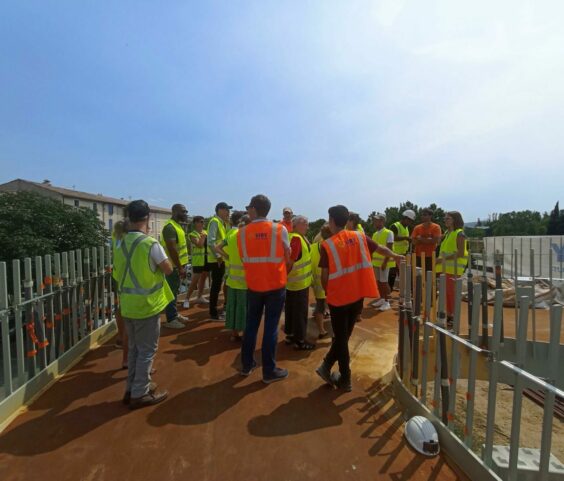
{"type": "Point", "coordinates": [40, 314]}
{"type": "Point", "coordinates": [472, 367]}
{"type": "Point", "coordinates": [74, 310]}
{"type": "Point", "coordinates": [5, 330]}
{"type": "Point", "coordinates": [31, 344]}
{"type": "Point", "coordinates": [16, 305]}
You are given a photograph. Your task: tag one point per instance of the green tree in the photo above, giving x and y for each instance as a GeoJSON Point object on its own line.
{"type": "Point", "coordinates": [525, 222]}
{"type": "Point", "coordinates": [31, 225]}
{"type": "Point", "coordinates": [555, 225]}
{"type": "Point", "coordinates": [314, 228]}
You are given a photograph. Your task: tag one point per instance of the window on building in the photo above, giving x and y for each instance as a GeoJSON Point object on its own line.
{"type": "Point", "coordinates": [94, 207]}
{"type": "Point", "coordinates": [76, 203]}
{"type": "Point", "coordinates": [110, 209]}
{"type": "Point", "coordinates": [110, 225]}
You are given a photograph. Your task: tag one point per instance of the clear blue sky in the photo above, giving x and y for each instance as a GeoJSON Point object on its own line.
{"type": "Point", "coordinates": [365, 103]}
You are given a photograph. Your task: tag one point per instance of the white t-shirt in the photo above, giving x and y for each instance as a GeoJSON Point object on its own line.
{"type": "Point", "coordinates": [157, 255]}
{"type": "Point", "coordinates": [390, 237]}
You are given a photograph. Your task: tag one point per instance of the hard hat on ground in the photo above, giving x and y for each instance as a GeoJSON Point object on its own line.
{"type": "Point", "coordinates": [422, 436]}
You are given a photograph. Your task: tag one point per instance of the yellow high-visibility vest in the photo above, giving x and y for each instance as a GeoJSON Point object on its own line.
{"type": "Point", "coordinates": [300, 276]}
{"type": "Point", "coordinates": [455, 266]}
{"type": "Point", "coordinates": [381, 239]}
{"type": "Point", "coordinates": [181, 246]}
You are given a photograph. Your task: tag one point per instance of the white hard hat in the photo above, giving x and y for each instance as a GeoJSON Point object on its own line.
{"type": "Point", "coordinates": [409, 214]}
{"type": "Point", "coordinates": [422, 436]}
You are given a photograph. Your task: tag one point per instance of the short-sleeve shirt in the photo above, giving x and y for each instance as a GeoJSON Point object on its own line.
{"type": "Point", "coordinates": [169, 233]}
{"type": "Point", "coordinates": [434, 230]}
{"type": "Point", "coordinates": [324, 257]}
{"type": "Point", "coordinates": [296, 248]}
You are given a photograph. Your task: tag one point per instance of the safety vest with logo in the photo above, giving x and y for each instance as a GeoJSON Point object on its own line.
{"type": "Point", "coordinates": [143, 293]}
{"type": "Point", "coordinates": [262, 252]}
{"type": "Point", "coordinates": [401, 247]}
{"type": "Point", "coordinates": [221, 233]}
{"type": "Point", "coordinates": [457, 265]}
{"type": "Point", "coordinates": [381, 238]}
{"type": "Point", "coordinates": [198, 253]}
{"type": "Point", "coordinates": [351, 276]}
{"type": "Point", "coordinates": [235, 270]}
{"type": "Point", "coordinates": [300, 276]}
{"type": "Point", "coordinates": [181, 246]}
{"type": "Point", "coordinates": [315, 253]}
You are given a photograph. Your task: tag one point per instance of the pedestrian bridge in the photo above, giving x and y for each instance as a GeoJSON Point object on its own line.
{"type": "Point", "coordinates": [217, 425]}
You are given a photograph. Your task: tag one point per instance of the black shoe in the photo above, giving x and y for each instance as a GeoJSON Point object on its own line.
{"type": "Point", "coordinates": [148, 399]}
{"type": "Point", "coordinates": [127, 396]}
{"type": "Point", "coordinates": [340, 382]}
{"type": "Point", "coordinates": [247, 372]}
{"type": "Point", "coordinates": [325, 373]}
{"type": "Point", "coordinates": [277, 375]}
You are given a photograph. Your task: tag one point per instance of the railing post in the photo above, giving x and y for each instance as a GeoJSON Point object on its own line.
{"type": "Point", "coordinates": [29, 318]}
{"type": "Point", "coordinates": [16, 304]}
{"type": "Point", "coordinates": [59, 306]}
{"type": "Point", "coordinates": [4, 321]}
{"type": "Point", "coordinates": [49, 314]}
{"type": "Point", "coordinates": [40, 314]}
{"type": "Point", "coordinates": [494, 374]}
{"type": "Point", "coordinates": [73, 296]}
{"type": "Point", "coordinates": [470, 394]}
{"type": "Point", "coordinates": [550, 397]}
{"type": "Point", "coordinates": [455, 354]}
{"type": "Point", "coordinates": [425, 352]}
{"type": "Point", "coordinates": [95, 302]}
{"type": "Point", "coordinates": [521, 347]}
{"type": "Point", "coordinates": [83, 271]}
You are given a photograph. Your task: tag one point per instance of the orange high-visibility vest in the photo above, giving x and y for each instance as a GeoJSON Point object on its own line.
{"type": "Point", "coordinates": [351, 276]}
{"type": "Point", "coordinates": [262, 253]}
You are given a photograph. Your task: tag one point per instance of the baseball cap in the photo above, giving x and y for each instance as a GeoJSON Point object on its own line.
{"type": "Point", "coordinates": [409, 214]}
{"type": "Point", "coordinates": [223, 205]}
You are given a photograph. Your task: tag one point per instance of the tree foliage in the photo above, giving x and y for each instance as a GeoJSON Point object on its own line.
{"type": "Point", "coordinates": [32, 224]}
{"type": "Point", "coordinates": [555, 224]}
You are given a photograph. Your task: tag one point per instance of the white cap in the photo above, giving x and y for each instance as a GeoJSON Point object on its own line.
{"type": "Point", "coordinates": [409, 214]}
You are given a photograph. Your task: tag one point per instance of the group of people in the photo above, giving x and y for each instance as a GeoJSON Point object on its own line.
{"type": "Point", "coordinates": [263, 267]}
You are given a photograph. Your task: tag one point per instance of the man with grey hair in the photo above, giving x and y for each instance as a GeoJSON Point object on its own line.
{"type": "Point", "coordinates": [297, 288]}
{"type": "Point", "coordinates": [381, 263]}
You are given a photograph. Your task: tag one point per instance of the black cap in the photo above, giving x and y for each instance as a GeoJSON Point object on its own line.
{"type": "Point", "coordinates": [223, 205]}
{"type": "Point", "coordinates": [137, 210]}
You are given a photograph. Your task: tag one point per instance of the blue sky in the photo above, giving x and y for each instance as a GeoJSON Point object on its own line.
{"type": "Point", "coordinates": [364, 103]}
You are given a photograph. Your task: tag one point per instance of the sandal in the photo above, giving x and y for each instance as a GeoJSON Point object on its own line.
{"type": "Point", "coordinates": [304, 346]}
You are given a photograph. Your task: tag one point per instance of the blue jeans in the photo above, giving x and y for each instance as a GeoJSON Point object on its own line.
{"type": "Point", "coordinates": [272, 303]}
{"type": "Point", "coordinates": [143, 341]}
{"type": "Point", "coordinates": [173, 280]}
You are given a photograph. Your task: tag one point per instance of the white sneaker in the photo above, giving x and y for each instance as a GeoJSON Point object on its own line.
{"type": "Point", "coordinates": [377, 303]}
{"type": "Point", "coordinates": [174, 324]}
{"type": "Point", "coordinates": [385, 306]}
{"type": "Point", "coordinates": [182, 318]}
{"type": "Point", "coordinates": [201, 300]}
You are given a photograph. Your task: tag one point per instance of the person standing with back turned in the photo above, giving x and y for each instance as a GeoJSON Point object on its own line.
{"type": "Point", "coordinates": [265, 251]}
{"type": "Point", "coordinates": [347, 277]}
{"type": "Point", "coordinates": [173, 240]}
{"type": "Point", "coordinates": [140, 265]}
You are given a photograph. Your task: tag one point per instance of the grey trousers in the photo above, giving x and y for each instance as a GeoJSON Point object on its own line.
{"type": "Point", "coordinates": [143, 340]}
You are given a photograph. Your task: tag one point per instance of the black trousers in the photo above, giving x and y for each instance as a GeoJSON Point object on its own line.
{"type": "Point", "coordinates": [217, 271]}
{"type": "Point", "coordinates": [392, 277]}
{"type": "Point", "coordinates": [296, 313]}
{"type": "Point", "coordinates": [343, 319]}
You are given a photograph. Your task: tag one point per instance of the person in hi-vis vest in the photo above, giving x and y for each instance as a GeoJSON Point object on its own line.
{"type": "Point", "coordinates": [173, 240]}
{"type": "Point", "coordinates": [140, 267]}
{"type": "Point", "coordinates": [347, 278]}
{"type": "Point", "coordinates": [402, 240]}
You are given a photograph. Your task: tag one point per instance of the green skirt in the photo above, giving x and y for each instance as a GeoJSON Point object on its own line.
{"type": "Point", "coordinates": [236, 312]}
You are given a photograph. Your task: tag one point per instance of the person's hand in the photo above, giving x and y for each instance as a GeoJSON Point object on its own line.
{"type": "Point", "coordinates": [182, 272]}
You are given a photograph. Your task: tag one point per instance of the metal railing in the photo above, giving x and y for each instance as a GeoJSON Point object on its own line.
{"type": "Point", "coordinates": [505, 360]}
{"type": "Point", "coordinates": [48, 305]}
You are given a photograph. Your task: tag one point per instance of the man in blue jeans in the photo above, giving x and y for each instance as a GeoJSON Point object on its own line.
{"type": "Point", "coordinates": [265, 252]}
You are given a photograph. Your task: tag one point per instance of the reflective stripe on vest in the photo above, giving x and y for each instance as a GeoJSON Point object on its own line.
{"type": "Point", "coordinates": [198, 253]}
{"type": "Point", "coordinates": [300, 276]}
{"type": "Point", "coordinates": [381, 238]}
{"type": "Point", "coordinates": [181, 246]}
{"type": "Point", "coordinates": [339, 272]}
{"type": "Point", "coordinates": [401, 247]}
{"type": "Point", "coordinates": [351, 276]}
{"type": "Point", "coordinates": [143, 293]}
{"type": "Point", "coordinates": [221, 233]}
{"type": "Point", "coordinates": [235, 272]}
{"type": "Point", "coordinates": [449, 246]}
{"type": "Point", "coordinates": [315, 253]}
{"type": "Point", "coordinates": [260, 260]}
{"type": "Point", "coordinates": [263, 258]}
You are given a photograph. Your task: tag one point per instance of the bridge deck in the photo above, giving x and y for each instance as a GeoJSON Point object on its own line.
{"type": "Point", "coordinates": [217, 425]}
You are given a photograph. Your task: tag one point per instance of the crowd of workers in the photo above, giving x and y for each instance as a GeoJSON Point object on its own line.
{"type": "Point", "coordinates": [264, 268]}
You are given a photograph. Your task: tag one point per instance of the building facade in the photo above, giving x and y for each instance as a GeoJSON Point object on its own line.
{"type": "Point", "coordinates": [109, 209]}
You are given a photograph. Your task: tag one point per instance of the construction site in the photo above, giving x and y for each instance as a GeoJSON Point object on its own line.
{"type": "Point", "coordinates": [490, 383]}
